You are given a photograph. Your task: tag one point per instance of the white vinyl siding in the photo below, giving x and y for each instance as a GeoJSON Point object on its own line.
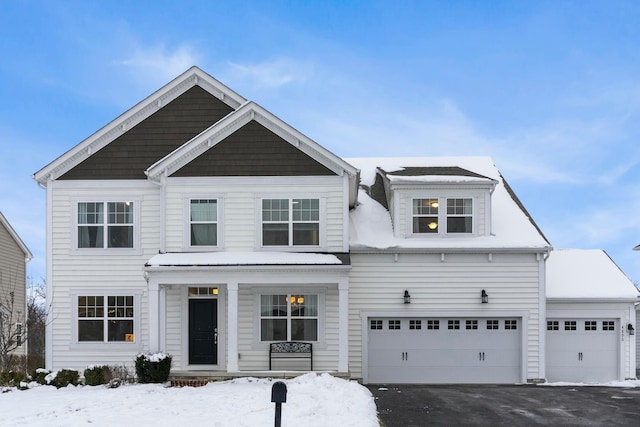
{"type": "Point", "coordinates": [452, 286]}
{"type": "Point", "coordinates": [239, 208]}
{"type": "Point", "coordinates": [97, 271]}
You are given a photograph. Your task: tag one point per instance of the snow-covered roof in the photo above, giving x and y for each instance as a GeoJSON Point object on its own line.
{"type": "Point", "coordinates": [586, 273]}
{"type": "Point", "coordinates": [183, 259]}
{"type": "Point", "coordinates": [512, 227]}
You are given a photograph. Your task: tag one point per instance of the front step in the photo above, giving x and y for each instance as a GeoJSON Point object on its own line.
{"type": "Point", "coordinates": [202, 378]}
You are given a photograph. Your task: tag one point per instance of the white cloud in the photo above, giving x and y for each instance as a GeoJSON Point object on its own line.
{"type": "Point", "coordinates": [158, 64]}
{"type": "Point", "coordinates": [274, 73]}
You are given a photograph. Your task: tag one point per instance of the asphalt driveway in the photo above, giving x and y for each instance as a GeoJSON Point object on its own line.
{"type": "Point", "coordinates": [506, 405]}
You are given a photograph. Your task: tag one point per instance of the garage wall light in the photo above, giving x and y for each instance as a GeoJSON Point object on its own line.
{"type": "Point", "coordinates": [484, 296]}
{"type": "Point", "coordinates": [407, 297]}
{"type": "Point", "coordinates": [630, 329]}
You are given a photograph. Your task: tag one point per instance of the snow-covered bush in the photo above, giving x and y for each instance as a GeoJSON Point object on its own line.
{"type": "Point", "coordinates": [40, 376]}
{"type": "Point", "coordinates": [63, 378]}
{"type": "Point", "coordinates": [153, 368]}
{"type": "Point", "coordinates": [97, 375]}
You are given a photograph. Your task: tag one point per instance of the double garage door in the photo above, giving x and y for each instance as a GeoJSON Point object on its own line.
{"type": "Point", "coordinates": [444, 350]}
{"type": "Point", "coordinates": [582, 350]}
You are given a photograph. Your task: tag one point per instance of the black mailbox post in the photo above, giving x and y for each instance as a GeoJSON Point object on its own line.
{"type": "Point", "coordinates": [279, 396]}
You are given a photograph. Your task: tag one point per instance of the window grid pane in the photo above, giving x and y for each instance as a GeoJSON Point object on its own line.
{"type": "Point", "coordinates": [459, 215]}
{"type": "Point", "coordinates": [118, 318]}
{"type": "Point", "coordinates": [425, 215]}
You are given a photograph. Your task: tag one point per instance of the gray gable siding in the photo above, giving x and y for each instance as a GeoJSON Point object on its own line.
{"type": "Point", "coordinates": [128, 156]}
{"type": "Point", "coordinates": [253, 150]}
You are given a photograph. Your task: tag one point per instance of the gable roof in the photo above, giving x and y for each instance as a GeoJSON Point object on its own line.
{"type": "Point", "coordinates": [194, 76]}
{"type": "Point", "coordinates": [16, 238]}
{"type": "Point", "coordinates": [248, 112]}
{"type": "Point", "coordinates": [371, 227]}
{"type": "Point", "coordinates": [586, 273]}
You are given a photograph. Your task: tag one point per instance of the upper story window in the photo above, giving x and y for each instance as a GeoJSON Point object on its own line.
{"type": "Point", "coordinates": [105, 224]}
{"type": "Point", "coordinates": [290, 222]}
{"type": "Point", "coordinates": [459, 215]}
{"type": "Point", "coordinates": [427, 215]}
{"type": "Point", "coordinates": [203, 219]}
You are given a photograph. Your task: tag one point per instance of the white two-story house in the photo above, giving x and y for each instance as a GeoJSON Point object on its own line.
{"type": "Point", "coordinates": [199, 224]}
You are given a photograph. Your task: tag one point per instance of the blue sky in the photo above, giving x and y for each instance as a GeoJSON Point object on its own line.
{"type": "Point", "coordinates": [550, 90]}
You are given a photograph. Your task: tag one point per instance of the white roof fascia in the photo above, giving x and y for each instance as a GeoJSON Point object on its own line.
{"type": "Point", "coordinates": [145, 108]}
{"type": "Point", "coordinates": [592, 300]}
{"type": "Point", "coordinates": [14, 235]}
{"type": "Point", "coordinates": [234, 121]}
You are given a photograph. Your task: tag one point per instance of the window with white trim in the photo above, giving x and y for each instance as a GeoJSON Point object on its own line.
{"type": "Point", "coordinates": [460, 215]}
{"type": "Point", "coordinates": [608, 325]}
{"type": "Point", "coordinates": [105, 224]}
{"type": "Point", "coordinates": [105, 318]}
{"type": "Point", "coordinates": [472, 324]}
{"type": "Point", "coordinates": [394, 324]}
{"type": "Point", "coordinates": [493, 324]}
{"type": "Point", "coordinates": [553, 325]}
{"type": "Point", "coordinates": [289, 317]}
{"type": "Point", "coordinates": [433, 324]}
{"type": "Point", "coordinates": [376, 325]}
{"type": "Point", "coordinates": [453, 324]}
{"type": "Point", "coordinates": [510, 325]}
{"type": "Point", "coordinates": [426, 215]}
{"type": "Point", "coordinates": [291, 222]}
{"type": "Point", "coordinates": [415, 324]}
{"type": "Point", "coordinates": [203, 222]}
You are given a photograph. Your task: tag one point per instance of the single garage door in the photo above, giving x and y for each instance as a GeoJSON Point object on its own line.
{"type": "Point", "coordinates": [582, 350]}
{"type": "Point", "coordinates": [444, 350]}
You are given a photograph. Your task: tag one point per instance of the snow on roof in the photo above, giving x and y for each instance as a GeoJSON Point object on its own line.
{"type": "Point", "coordinates": [241, 258]}
{"type": "Point", "coordinates": [586, 273]}
{"type": "Point", "coordinates": [371, 222]}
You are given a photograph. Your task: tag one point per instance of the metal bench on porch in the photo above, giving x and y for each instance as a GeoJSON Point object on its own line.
{"type": "Point", "coordinates": [290, 356]}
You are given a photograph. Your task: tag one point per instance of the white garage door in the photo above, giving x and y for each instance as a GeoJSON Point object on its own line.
{"type": "Point", "coordinates": [444, 350]}
{"type": "Point", "coordinates": [582, 350]}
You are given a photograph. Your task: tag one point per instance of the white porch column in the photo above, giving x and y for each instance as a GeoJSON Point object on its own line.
{"type": "Point", "coordinates": [343, 325]}
{"type": "Point", "coordinates": [232, 327]}
{"type": "Point", "coordinates": [154, 316]}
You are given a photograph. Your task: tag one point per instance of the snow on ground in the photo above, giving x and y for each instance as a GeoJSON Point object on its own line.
{"type": "Point", "coordinates": [312, 400]}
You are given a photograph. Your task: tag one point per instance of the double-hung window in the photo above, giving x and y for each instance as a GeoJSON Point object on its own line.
{"type": "Point", "coordinates": [105, 224]}
{"type": "Point", "coordinates": [105, 318]}
{"type": "Point", "coordinates": [459, 215]}
{"type": "Point", "coordinates": [427, 216]}
{"type": "Point", "coordinates": [289, 317]}
{"type": "Point", "coordinates": [203, 217]}
{"type": "Point", "coordinates": [290, 222]}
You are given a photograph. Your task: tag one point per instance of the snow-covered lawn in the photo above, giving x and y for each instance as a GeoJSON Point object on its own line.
{"type": "Point", "coordinates": [312, 400]}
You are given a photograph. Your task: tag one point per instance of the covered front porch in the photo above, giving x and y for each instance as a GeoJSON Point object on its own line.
{"type": "Point", "coordinates": [217, 313]}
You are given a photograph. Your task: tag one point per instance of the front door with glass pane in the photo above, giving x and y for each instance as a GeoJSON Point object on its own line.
{"type": "Point", "coordinates": [203, 331]}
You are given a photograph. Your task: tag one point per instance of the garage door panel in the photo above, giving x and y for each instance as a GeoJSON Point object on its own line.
{"type": "Point", "coordinates": [441, 350]}
{"type": "Point", "coordinates": [582, 350]}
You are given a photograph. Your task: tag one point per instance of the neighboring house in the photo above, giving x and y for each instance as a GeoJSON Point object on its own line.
{"type": "Point", "coordinates": [201, 225]}
{"type": "Point", "coordinates": [14, 256]}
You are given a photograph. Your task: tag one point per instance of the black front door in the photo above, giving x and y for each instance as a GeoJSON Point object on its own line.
{"type": "Point", "coordinates": [203, 331]}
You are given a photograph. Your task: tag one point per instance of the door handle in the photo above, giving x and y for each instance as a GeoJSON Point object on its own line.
{"type": "Point", "coordinates": [405, 355]}
{"type": "Point", "coordinates": [215, 336]}
{"type": "Point", "coordinates": [481, 355]}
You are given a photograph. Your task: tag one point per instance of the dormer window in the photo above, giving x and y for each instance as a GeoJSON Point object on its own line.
{"type": "Point", "coordinates": [427, 216]}
{"type": "Point", "coordinates": [459, 215]}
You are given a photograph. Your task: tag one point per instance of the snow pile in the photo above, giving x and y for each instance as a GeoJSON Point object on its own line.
{"type": "Point", "coordinates": [312, 400]}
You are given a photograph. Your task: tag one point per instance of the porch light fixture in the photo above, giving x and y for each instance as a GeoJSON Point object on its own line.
{"type": "Point", "coordinates": [407, 297]}
{"type": "Point", "coordinates": [432, 225]}
{"type": "Point", "coordinates": [484, 296]}
{"type": "Point", "coordinates": [630, 329]}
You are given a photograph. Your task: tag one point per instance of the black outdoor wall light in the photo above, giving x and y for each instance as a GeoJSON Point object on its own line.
{"type": "Point", "coordinates": [630, 329]}
{"type": "Point", "coordinates": [484, 296]}
{"type": "Point", "coordinates": [407, 297]}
